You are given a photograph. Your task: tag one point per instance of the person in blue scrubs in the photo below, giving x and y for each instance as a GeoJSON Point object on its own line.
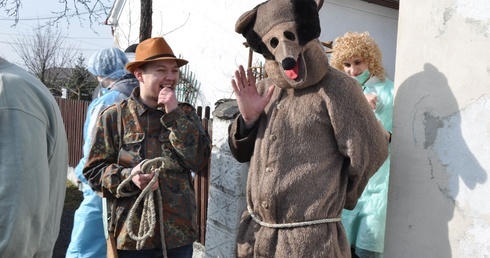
{"type": "Point", "coordinates": [108, 66]}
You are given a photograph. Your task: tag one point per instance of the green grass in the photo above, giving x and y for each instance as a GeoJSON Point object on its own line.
{"type": "Point", "coordinates": [73, 196]}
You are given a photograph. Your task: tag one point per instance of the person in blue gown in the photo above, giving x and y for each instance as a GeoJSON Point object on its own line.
{"type": "Point", "coordinates": [108, 66]}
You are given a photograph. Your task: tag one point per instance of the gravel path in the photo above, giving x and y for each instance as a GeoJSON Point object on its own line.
{"type": "Point", "coordinates": [65, 234]}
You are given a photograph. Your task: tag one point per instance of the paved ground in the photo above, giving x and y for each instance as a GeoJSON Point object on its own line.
{"type": "Point", "coordinates": [72, 201]}
{"type": "Point", "coordinates": [65, 234]}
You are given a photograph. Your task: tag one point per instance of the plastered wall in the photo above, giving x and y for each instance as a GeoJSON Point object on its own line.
{"type": "Point", "coordinates": [439, 188]}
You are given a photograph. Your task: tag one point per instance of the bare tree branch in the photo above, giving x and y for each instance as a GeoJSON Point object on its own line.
{"type": "Point", "coordinates": [124, 37]}
{"type": "Point", "coordinates": [11, 8]}
{"type": "Point", "coordinates": [94, 11]}
{"type": "Point", "coordinates": [45, 53]}
{"type": "Point", "coordinates": [80, 83]}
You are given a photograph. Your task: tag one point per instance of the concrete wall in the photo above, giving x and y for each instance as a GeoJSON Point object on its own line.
{"type": "Point", "coordinates": [227, 184]}
{"type": "Point", "coordinates": [439, 189]}
{"type": "Point", "coordinates": [204, 33]}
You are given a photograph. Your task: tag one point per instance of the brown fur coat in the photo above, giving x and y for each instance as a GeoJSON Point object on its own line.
{"type": "Point", "coordinates": [311, 154]}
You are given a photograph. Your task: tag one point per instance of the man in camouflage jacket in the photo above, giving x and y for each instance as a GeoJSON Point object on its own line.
{"type": "Point", "coordinates": [153, 124]}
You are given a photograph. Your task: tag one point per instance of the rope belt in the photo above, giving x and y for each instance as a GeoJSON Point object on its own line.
{"type": "Point", "coordinates": [148, 216]}
{"type": "Point", "coordinates": [293, 224]}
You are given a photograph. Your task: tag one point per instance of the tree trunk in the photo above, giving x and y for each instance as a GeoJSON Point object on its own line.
{"type": "Point", "coordinates": [146, 23]}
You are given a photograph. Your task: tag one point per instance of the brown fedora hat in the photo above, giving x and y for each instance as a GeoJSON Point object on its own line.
{"type": "Point", "coordinates": [153, 49]}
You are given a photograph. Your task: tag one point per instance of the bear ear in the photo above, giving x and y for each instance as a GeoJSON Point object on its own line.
{"type": "Point", "coordinates": [319, 4]}
{"type": "Point", "coordinates": [245, 20]}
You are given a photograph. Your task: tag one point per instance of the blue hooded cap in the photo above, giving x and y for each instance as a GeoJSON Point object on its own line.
{"type": "Point", "coordinates": [108, 63]}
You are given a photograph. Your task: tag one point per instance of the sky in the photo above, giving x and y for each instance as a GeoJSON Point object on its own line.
{"type": "Point", "coordinates": [80, 35]}
{"type": "Point", "coordinates": [206, 36]}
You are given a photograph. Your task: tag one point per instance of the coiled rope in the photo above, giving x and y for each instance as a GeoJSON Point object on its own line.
{"type": "Point", "coordinates": [148, 216]}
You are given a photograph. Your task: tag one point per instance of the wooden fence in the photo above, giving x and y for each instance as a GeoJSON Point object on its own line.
{"type": "Point", "coordinates": [74, 113]}
{"type": "Point", "coordinates": [201, 181]}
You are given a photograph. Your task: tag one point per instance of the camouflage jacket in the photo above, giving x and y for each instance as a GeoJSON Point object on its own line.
{"type": "Point", "coordinates": [178, 137]}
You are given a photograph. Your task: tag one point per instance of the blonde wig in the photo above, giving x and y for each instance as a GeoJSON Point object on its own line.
{"type": "Point", "coordinates": [358, 44]}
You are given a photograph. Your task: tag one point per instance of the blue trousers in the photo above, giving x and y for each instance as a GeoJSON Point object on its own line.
{"type": "Point", "coordinates": [179, 252]}
{"type": "Point", "coordinates": [87, 236]}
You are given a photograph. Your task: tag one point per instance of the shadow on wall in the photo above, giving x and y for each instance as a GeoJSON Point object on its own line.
{"type": "Point", "coordinates": [430, 157]}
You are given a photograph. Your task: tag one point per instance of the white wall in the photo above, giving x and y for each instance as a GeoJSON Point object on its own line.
{"type": "Point", "coordinates": [203, 32]}
{"type": "Point", "coordinates": [438, 200]}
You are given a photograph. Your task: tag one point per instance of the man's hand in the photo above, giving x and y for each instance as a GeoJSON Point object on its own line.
{"type": "Point", "coordinates": [142, 180]}
{"type": "Point", "coordinates": [250, 103]}
{"type": "Point", "coordinates": [168, 99]}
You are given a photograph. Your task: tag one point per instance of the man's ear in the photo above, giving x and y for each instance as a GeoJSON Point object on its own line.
{"type": "Point", "coordinates": [138, 73]}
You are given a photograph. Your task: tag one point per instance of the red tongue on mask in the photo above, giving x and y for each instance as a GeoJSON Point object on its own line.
{"type": "Point", "coordinates": [293, 73]}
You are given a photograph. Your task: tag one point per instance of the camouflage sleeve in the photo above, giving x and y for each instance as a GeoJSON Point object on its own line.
{"type": "Point", "coordinates": [187, 136]}
{"type": "Point", "coordinates": [101, 169]}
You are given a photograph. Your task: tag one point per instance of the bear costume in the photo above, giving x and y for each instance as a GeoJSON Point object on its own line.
{"type": "Point", "coordinates": [313, 148]}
